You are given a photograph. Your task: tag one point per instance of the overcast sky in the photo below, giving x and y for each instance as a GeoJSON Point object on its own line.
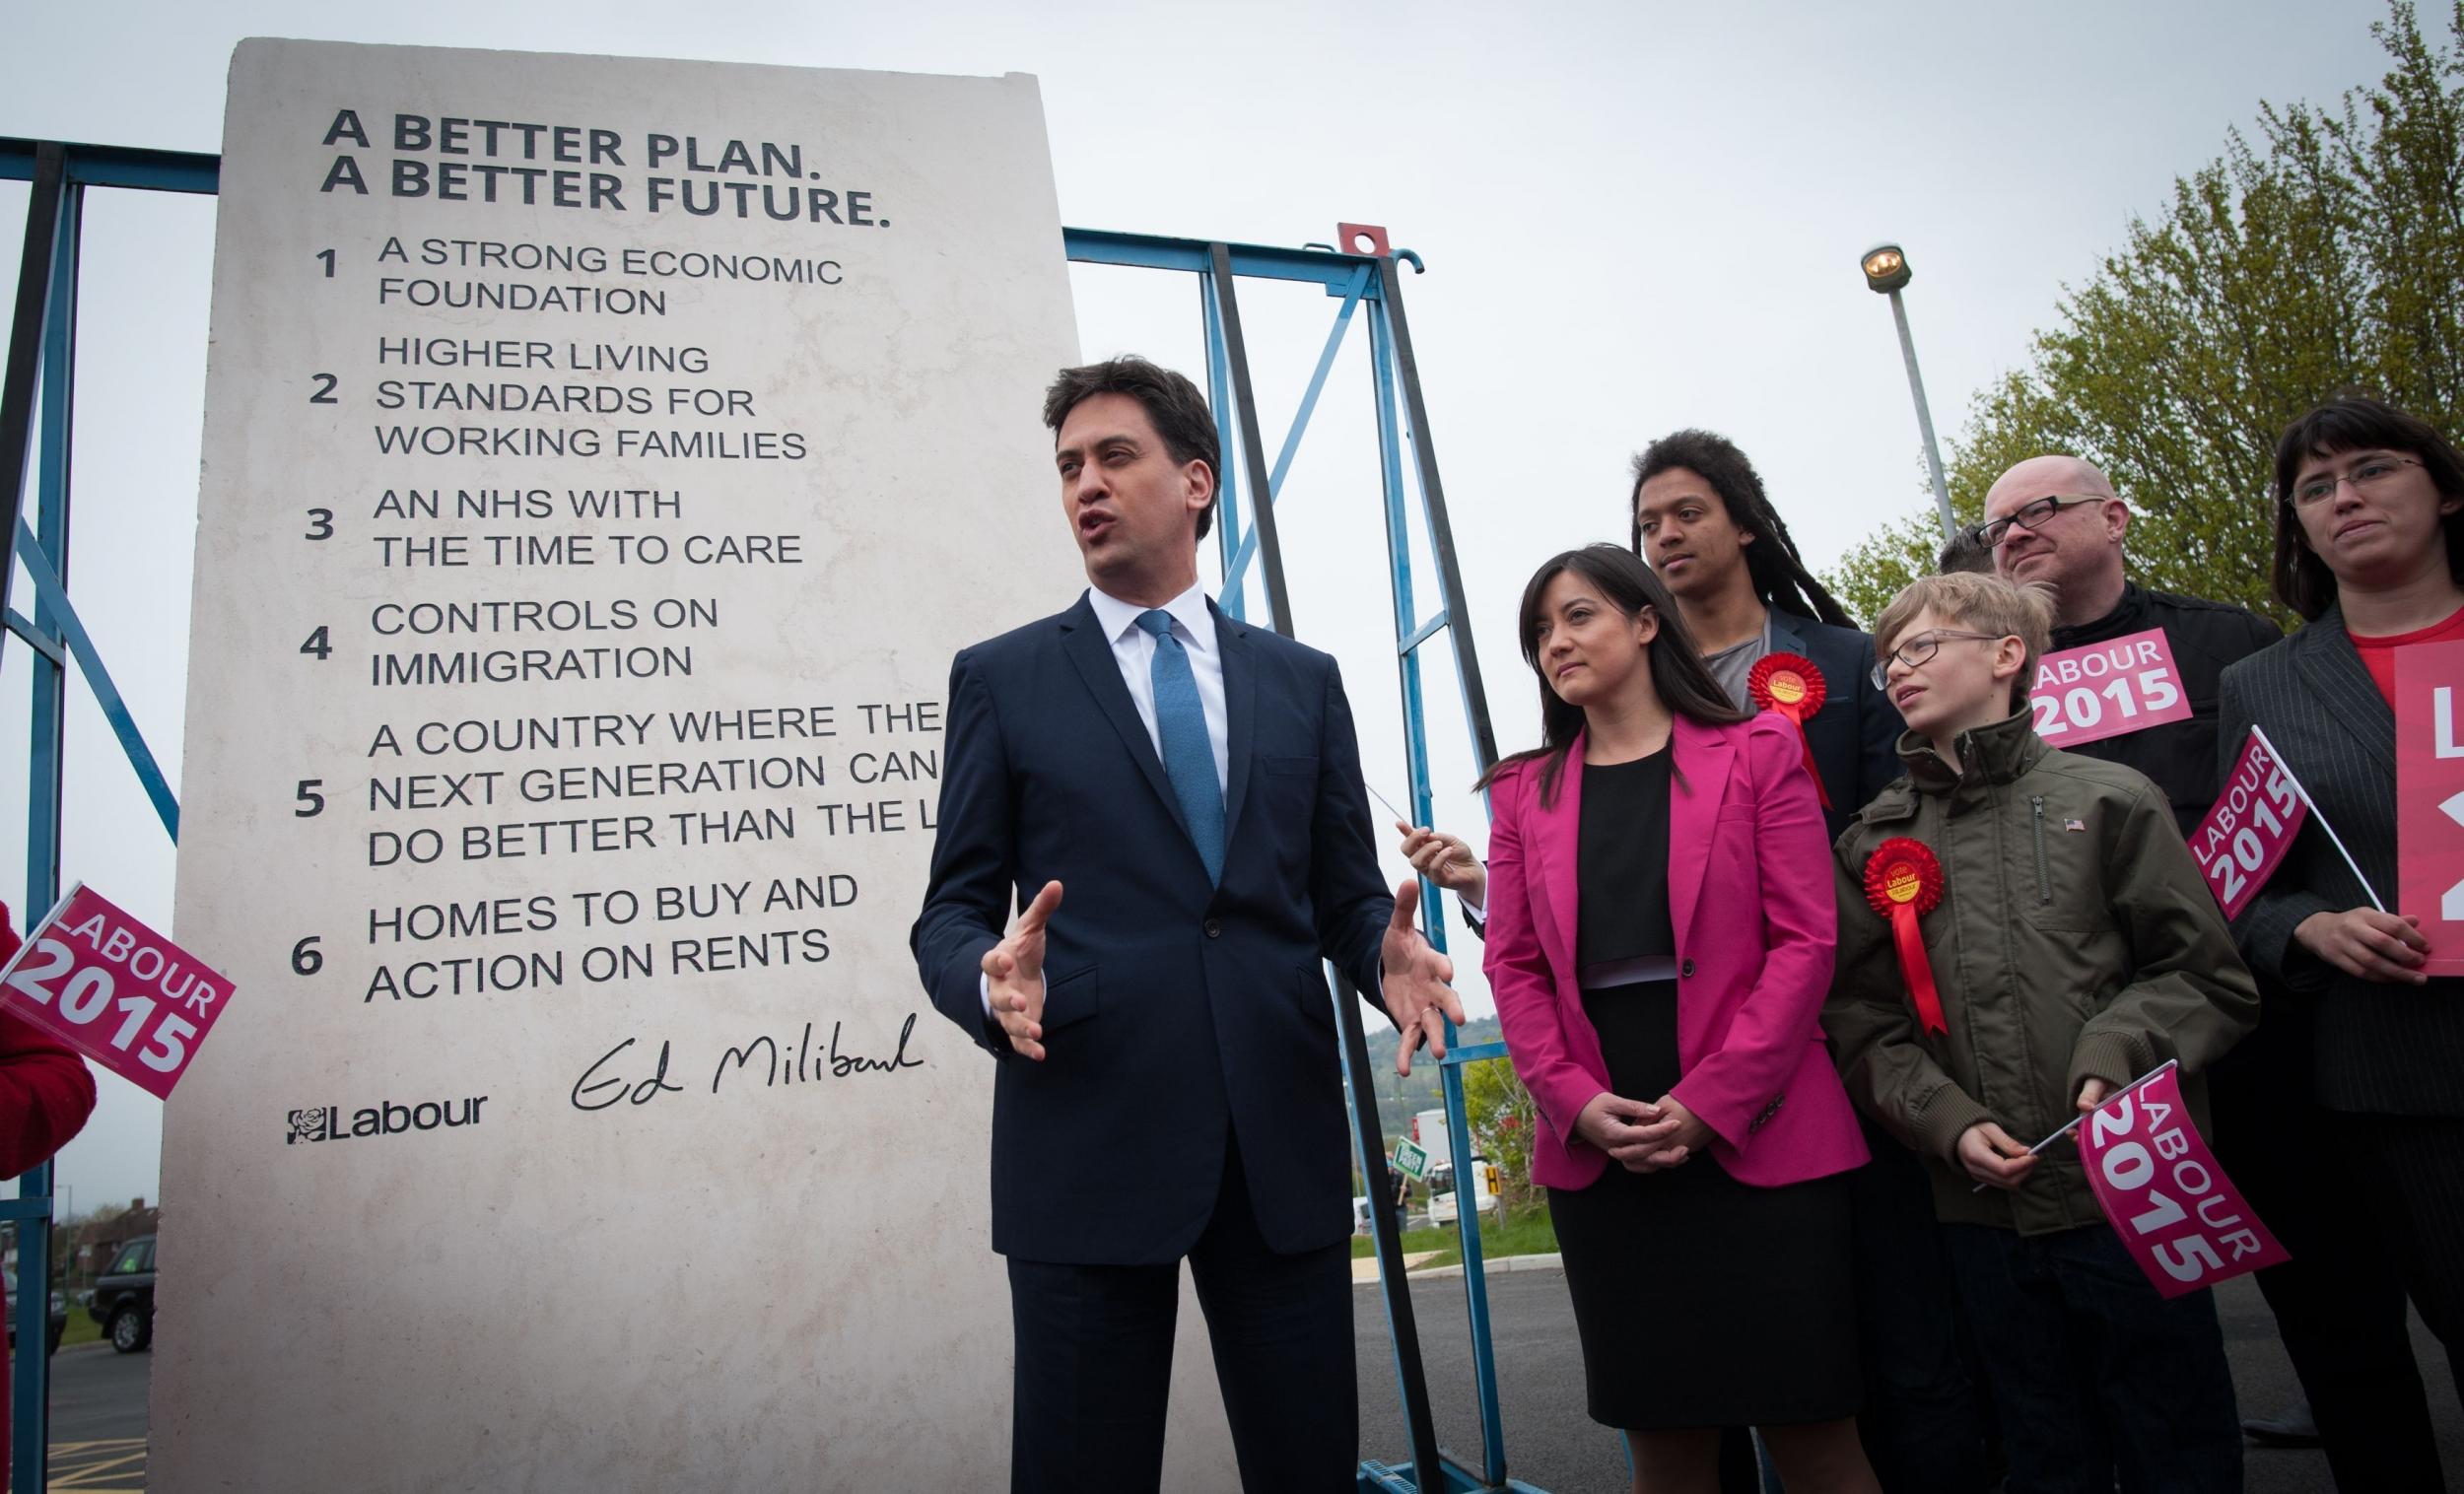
{"type": "Point", "coordinates": [1635, 217]}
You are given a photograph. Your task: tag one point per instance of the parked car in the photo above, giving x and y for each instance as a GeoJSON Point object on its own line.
{"type": "Point", "coordinates": [58, 1324]}
{"type": "Point", "coordinates": [123, 1297]}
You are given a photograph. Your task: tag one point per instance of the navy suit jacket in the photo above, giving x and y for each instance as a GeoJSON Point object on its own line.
{"type": "Point", "coordinates": [1173, 1010]}
{"type": "Point", "coordinates": [1855, 736]}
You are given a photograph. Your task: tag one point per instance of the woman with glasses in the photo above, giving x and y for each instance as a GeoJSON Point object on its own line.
{"type": "Point", "coordinates": [1659, 953]}
{"type": "Point", "coordinates": [2369, 550]}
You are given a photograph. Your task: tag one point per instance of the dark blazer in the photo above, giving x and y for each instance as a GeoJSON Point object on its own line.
{"type": "Point", "coordinates": [1855, 736]}
{"type": "Point", "coordinates": [2395, 1050]}
{"type": "Point", "coordinates": [1173, 1010]}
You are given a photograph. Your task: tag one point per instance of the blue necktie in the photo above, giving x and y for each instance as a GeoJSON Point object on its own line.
{"type": "Point", "coordinates": [1189, 757]}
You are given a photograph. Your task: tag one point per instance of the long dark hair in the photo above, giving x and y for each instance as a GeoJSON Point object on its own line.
{"type": "Point", "coordinates": [2354, 423]}
{"type": "Point", "coordinates": [1778, 573]}
{"type": "Point", "coordinates": [1678, 672]}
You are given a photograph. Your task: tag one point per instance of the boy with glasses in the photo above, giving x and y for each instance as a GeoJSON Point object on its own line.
{"type": "Point", "coordinates": [2074, 948]}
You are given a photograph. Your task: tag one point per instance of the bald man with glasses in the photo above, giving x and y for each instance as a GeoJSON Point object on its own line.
{"type": "Point", "coordinates": [2057, 520]}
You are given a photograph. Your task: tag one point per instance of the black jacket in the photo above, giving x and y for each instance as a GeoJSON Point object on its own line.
{"type": "Point", "coordinates": [2179, 757]}
{"type": "Point", "coordinates": [2384, 1048]}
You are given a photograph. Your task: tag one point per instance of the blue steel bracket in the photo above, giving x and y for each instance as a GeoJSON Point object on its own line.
{"type": "Point", "coordinates": [1476, 1052]}
{"type": "Point", "coordinates": [35, 639]}
{"type": "Point", "coordinates": [118, 166]}
{"type": "Point", "coordinates": [25, 1208]}
{"type": "Point", "coordinates": [1423, 633]}
{"type": "Point", "coordinates": [1155, 251]}
{"type": "Point", "coordinates": [1236, 571]}
{"type": "Point", "coordinates": [1388, 1478]}
{"type": "Point", "coordinates": [54, 596]}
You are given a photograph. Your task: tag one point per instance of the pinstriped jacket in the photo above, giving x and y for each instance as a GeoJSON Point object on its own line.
{"type": "Point", "coordinates": [2392, 1050]}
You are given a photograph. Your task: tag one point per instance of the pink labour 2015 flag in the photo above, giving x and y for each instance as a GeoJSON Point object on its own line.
{"type": "Point", "coordinates": [114, 991]}
{"type": "Point", "coordinates": [2180, 1217]}
{"type": "Point", "coordinates": [2250, 827]}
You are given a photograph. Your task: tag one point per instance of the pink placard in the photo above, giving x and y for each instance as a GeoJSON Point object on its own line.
{"type": "Point", "coordinates": [2249, 828]}
{"type": "Point", "coordinates": [2430, 798]}
{"type": "Point", "coordinates": [2103, 690]}
{"type": "Point", "coordinates": [2180, 1217]}
{"type": "Point", "coordinates": [114, 991]}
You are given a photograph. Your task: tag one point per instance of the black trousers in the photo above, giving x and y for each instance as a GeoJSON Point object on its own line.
{"type": "Point", "coordinates": [1094, 1362]}
{"type": "Point", "coordinates": [2339, 1302]}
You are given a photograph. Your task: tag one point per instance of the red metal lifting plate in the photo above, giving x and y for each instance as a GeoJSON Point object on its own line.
{"type": "Point", "coordinates": [1363, 238]}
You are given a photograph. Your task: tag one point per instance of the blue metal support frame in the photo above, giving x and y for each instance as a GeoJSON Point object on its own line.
{"type": "Point", "coordinates": [1359, 280]}
{"type": "Point", "coordinates": [55, 637]}
{"type": "Point", "coordinates": [44, 385]}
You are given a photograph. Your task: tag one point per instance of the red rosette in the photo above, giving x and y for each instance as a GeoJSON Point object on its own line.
{"type": "Point", "coordinates": [1904, 882]}
{"type": "Point", "coordinates": [1789, 684]}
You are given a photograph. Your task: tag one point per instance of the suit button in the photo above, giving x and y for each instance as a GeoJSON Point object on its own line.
{"type": "Point", "coordinates": [1685, 969]}
{"type": "Point", "coordinates": [1213, 927]}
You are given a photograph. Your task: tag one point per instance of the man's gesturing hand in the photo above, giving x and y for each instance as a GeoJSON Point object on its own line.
{"type": "Point", "coordinates": [1013, 973]}
{"type": "Point", "coordinates": [1415, 986]}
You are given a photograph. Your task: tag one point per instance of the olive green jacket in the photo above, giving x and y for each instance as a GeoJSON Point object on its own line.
{"type": "Point", "coordinates": [2075, 939]}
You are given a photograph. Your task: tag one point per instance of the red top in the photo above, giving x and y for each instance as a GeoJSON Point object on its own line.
{"type": "Point", "coordinates": [2378, 655]}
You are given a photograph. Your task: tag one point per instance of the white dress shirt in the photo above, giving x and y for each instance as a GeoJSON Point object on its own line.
{"type": "Point", "coordinates": [1134, 650]}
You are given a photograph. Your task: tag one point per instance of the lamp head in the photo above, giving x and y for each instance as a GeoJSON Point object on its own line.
{"type": "Point", "coordinates": [1886, 268]}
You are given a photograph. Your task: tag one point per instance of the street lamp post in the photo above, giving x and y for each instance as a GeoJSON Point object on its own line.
{"type": "Point", "coordinates": [1885, 272]}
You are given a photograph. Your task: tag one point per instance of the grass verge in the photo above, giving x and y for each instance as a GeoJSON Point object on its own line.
{"type": "Point", "coordinates": [1527, 1233]}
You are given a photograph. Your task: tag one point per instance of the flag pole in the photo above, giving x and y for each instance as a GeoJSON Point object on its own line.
{"type": "Point", "coordinates": [2108, 1099]}
{"type": "Point", "coordinates": [2316, 814]}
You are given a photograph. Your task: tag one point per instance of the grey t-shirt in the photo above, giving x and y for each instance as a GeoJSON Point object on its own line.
{"type": "Point", "coordinates": [1731, 664]}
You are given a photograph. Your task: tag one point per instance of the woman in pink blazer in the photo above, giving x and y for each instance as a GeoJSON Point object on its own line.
{"type": "Point", "coordinates": [1659, 929]}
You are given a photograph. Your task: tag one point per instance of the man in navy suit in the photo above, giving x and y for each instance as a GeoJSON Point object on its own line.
{"type": "Point", "coordinates": [1182, 794]}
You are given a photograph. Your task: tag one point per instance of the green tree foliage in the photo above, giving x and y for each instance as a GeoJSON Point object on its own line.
{"type": "Point", "coordinates": [1502, 1116]}
{"type": "Point", "coordinates": [2329, 256]}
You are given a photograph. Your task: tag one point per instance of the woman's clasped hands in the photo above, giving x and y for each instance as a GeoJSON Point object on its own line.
{"type": "Point", "coordinates": [1642, 1136]}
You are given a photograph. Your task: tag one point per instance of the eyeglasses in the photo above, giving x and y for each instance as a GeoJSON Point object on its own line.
{"type": "Point", "coordinates": [1993, 532]}
{"type": "Point", "coordinates": [1922, 647]}
{"type": "Point", "coordinates": [2370, 476]}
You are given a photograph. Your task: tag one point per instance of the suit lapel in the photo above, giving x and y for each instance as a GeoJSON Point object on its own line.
{"type": "Point", "coordinates": [2347, 695]}
{"type": "Point", "coordinates": [1785, 638]}
{"type": "Point", "coordinates": [1240, 715]}
{"type": "Point", "coordinates": [1082, 640]}
{"type": "Point", "coordinates": [1696, 787]}
{"type": "Point", "coordinates": [1558, 838]}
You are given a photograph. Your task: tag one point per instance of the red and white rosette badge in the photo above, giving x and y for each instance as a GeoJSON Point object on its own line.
{"type": "Point", "coordinates": [1903, 883]}
{"type": "Point", "coordinates": [1789, 684]}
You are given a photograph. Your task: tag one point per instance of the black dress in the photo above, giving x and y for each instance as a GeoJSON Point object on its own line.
{"type": "Point", "coordinates": [1700, 1301]}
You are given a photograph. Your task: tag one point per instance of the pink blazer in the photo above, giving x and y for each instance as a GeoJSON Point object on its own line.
{"type": "Point", "coordinates": [1750, 899]}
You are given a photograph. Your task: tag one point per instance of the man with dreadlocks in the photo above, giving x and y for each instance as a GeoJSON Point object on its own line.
{"type": "Point", "coordinates": [1701, 520]}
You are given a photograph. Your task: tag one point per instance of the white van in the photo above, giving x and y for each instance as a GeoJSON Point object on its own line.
{"type": "Point", "coordinates": [1440, 1181]}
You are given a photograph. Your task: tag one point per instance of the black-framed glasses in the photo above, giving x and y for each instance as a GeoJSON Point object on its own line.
{"type": "Point", "coordinates": [1994, 531]}
{"type": "Point", "coordinates": [1922, 647]}
{"type": "Point", "coordinates": [2368, 476]}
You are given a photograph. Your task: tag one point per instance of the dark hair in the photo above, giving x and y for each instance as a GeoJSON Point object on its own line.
{"type": "Point", "coordinates": [1965, 550]}
{"type": "Point", "coordinates": [1677, 672]}
{"type": "Point", "coordinates": [2354, 422]}
{"type": "Point", "coordinates": [1172, 403]}
{"type": "Point", "coordinates": [1779, 575]}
